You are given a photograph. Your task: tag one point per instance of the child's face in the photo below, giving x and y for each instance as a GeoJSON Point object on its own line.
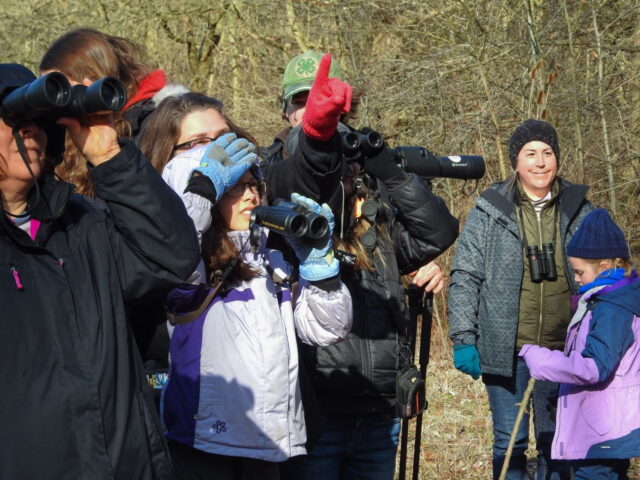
{"type": "Point", "coordinates": [586, 271]}
{"type": "Point", "coordinates": [236, 206]}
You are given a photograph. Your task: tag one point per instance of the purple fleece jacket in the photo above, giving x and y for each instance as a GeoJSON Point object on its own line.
{"type": "Point", "coordinates": [599, 371]}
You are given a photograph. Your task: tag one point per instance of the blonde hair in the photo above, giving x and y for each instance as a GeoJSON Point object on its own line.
{"type": "Point", "coordinates": [624, 263]}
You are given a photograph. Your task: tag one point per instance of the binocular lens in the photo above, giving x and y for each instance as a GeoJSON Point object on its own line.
{"type": "Point", "coordinates": [112, 94]}
{"type": "Point", "coordinates": [298, 226]}
{"type": "Point", "coordinates": [45, 94]}
{"type": "Point", "coordinates": [106, 94]}
{"type": "Point", "coordinates": [374, 140]}
{"type": "Point", "coordinates": [318, 227]}
{"type": "Point", "coordinates": [56, 89]}
{"type": "Point", "coordinates": [351, 140]}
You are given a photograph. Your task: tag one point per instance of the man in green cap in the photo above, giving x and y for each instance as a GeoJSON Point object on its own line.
{"type": "Point", "coordinates": [355, 382]}
{"type": "Point", "coordinates": [296, 83]}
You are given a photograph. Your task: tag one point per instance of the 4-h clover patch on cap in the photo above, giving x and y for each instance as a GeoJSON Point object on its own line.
{"type": "Point", "coordinates": [300, 72]}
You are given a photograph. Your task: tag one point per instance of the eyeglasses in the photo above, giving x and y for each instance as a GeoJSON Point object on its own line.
{"type": "Point", "coordinates": [195, 142]}
{"type": "Point", "coordinates": [239, 188]}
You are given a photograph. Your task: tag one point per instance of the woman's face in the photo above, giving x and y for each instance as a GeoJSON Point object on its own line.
{"type": "Point", "coordinates": [12, 167]}
{"type": "Point", "coordinates": [200, 128]}
{"type": "Point", "coordinates": [537, 167]}
{"type": "Point", "coordinates": [236, 210]}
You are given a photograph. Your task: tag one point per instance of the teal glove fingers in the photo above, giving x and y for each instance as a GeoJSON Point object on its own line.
{"type": "Point", "coordinates": [467, 360]}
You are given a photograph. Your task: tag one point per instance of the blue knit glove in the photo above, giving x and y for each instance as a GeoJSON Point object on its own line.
{"type": "Point", "coordinates": [224, 162]}
{"type": "Point", "coordinates": [316, 260]}
{"type": "Point", "coordinates": [467, 360]}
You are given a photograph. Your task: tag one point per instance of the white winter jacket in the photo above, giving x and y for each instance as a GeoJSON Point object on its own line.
{"type": "Point", "coordinates": [233, 380]}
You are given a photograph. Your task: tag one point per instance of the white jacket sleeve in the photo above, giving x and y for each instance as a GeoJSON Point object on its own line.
{"type": "Point", "coordinates": [177, 174]}
{"type": "Point", "coordinates": [322, 317]}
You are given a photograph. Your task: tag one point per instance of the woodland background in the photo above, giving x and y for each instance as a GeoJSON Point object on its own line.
{"type": "Point", "coordinates": [453, 76]}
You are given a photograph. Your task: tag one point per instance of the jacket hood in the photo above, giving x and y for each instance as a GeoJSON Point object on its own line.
{"type": "Point", "coordinates": [626, 296]}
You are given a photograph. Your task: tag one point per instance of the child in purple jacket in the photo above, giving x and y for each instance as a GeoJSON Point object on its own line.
{"type": "Point", "coordinates": [598, 418]}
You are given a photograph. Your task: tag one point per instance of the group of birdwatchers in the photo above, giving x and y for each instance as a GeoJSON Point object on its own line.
{"type": "Point", "coordinates": [152, 328]}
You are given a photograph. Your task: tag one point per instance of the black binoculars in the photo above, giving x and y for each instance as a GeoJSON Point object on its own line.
{"type": "Point", "coordinates": [51, 97]}
{"type": "Point", "coordinates": [542, 263]}
{"type": "Point", "coordinates": [290, 219]}
{"type": "Point", "coordinates": [418, 160]}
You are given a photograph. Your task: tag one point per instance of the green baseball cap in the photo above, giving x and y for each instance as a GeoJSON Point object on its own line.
{"type": "Point", "coordinates": [301, 71]}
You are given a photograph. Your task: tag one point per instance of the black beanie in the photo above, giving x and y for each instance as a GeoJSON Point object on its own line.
{"type": "Point", "coordinates": [529, 131]}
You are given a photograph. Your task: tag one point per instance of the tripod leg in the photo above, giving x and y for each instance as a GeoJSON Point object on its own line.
{"type": "Point", "coordinates": [404, 440]}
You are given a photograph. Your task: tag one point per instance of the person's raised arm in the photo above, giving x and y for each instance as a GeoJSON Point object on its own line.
{"type": "Point", "coordinates": [151, 235]}
{"type": "Point", "coordinates": [314, 167]}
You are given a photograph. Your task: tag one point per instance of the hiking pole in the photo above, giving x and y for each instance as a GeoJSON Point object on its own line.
{"type": "Point", "coordinates": [523, 406]}
{"type": "Point", "coordinates": [414, 300]}
{"type": "Point", "coordinates": [425, 350]}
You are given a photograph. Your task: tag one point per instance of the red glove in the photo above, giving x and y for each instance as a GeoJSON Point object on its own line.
{"type": "Point", "coordinates": [328, 99]}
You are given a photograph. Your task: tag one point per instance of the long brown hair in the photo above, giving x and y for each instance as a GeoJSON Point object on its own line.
{"type": "Point", "coordinates": [365, 259]}
{"type": "Point", "coordinates": [218, 251]}
{"type": "Point", "coordinates": [88, 53]}
{"type": "Point", "coordinates": [162, 129]}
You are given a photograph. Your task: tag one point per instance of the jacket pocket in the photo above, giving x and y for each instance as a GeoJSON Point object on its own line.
{"type": "Point", "coordinates": [597, 410]}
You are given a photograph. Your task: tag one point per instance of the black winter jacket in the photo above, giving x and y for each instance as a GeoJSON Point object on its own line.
{"type": "Point", "coordinates": [73, 404]}
{"type": "Point", "coordinates": [357, 376]}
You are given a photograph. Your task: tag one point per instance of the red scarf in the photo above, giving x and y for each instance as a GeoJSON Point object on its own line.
{"type": "Point", "coordinates": [148, 87]}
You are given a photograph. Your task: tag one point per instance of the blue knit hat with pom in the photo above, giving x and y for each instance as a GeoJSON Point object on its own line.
{"type": "Point", "coordinates": [598, 237]}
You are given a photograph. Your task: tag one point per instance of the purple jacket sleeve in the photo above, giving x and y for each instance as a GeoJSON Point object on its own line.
{"type": "Point", "coordinates": [555, 366]}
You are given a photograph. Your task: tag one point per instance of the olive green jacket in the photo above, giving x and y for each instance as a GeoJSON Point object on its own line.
{"type": "Point", "coordinates": [544, 306]}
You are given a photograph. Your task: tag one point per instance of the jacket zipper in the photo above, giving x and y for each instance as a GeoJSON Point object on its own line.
{"type": "Point", "coordinates": [541, 313]}
{"type": "Point", "coordinates": [16, 278]}
{"type": "Point", "coordinates": [60, 261]}
{"type": "Point", "coordinates": [278, 296]}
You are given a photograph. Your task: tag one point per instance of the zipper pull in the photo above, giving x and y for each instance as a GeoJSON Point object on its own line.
{"type": "Point", "coordinates": [61, 262]}
{"type": "Point", "coordinates": [16, 278]}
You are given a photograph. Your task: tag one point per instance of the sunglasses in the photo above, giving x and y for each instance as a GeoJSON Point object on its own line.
{"type": "Point", "coordinates": [239, 188]}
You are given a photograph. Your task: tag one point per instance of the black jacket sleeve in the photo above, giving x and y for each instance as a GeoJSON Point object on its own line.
{"type": "Point", "coordinates": [312, 169]}
{"type": "Point", "coordinates": [152, 237]}
{"type": "Point", "coordinates": [422, 227]}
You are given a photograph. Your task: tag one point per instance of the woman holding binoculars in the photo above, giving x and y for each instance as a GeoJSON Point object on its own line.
{"type": "Point", "coordinates": [74, 404]}
{"type": "Point", "coordinates": [232, 405]}
{"type": "Point", "coordinates": [85, 56]}
{"type": "Point", "coordinates": [511, 285]}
